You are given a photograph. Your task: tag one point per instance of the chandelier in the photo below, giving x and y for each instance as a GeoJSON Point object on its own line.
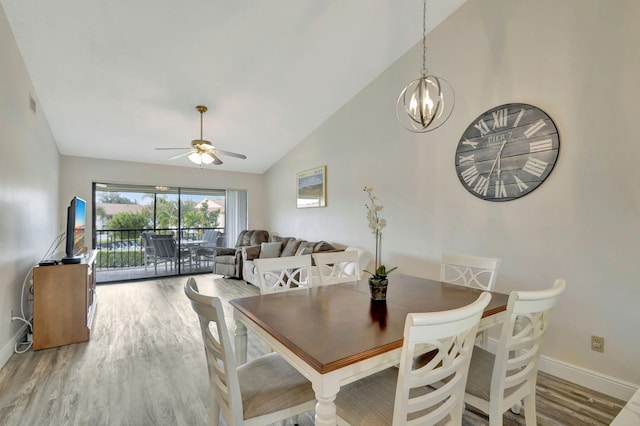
{"type": "Point", "coordinates": [421, 105]}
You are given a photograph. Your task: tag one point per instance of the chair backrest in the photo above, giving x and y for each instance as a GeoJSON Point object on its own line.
{"type": "Point", "coordinates": [518, 353]}
{"type": "Point", "coordinates": [209, 238]}
{"type": "Point", "coordinates": [223, 377]}
{"type": "Point", "coordinates": [338, 267]}
{"type": "Point", "coordinates": [363, 261]}
{"type": "Point", "coordinates": [469, 271]}
{"type": "Point", "coordinates": [145, 239]}
{"type": "Point", "coordinates": [165, 247]}
{"type": "Point", "coordinates": [451, 336]}
{"type": "Point", "coordinates": [252, 237]}
{"type": "Point", "coordinates": [280, 273]}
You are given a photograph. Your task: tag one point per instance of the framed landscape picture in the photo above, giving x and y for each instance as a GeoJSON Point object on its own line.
{"type": "Point", "coordinates": [311, 188]}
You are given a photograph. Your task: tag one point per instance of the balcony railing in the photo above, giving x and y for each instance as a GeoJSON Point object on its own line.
{"type": "Point", "coordinates": [122, 248]}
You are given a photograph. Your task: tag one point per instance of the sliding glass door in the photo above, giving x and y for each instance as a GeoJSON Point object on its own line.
{"type": "Point", "coordinates": [147, 232]}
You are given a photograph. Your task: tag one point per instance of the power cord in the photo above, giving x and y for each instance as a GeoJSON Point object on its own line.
{"type": "Point", "coordinates": [22, 317]}
{"type": "Point", "coordinates": [54, 245]}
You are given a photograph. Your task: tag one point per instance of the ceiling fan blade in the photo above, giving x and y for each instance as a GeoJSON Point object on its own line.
{"type": "Point", "coordinates": [184, 154]}
{"type": "Point", "coordinates": [231, 154]}
{"type": "Point", "coordinates": [216, 160]}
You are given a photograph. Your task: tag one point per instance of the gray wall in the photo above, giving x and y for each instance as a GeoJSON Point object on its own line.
{"type": "Point", "coordinates": [578, 61]}
{"type": "Point", "coordinates": [29, 163]}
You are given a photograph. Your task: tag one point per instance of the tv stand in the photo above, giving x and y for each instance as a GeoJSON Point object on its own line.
{"type": "Point", "coordinates": [64, 302]}
{"type": "Point", "coordinates": [69, 260]}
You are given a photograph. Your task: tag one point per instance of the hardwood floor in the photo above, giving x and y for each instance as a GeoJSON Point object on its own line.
{"type": "Point", "coordinates": [145, 365]}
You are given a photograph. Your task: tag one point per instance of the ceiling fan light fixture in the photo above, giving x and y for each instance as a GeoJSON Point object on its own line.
{"type": "Point", "coordinates": [195, 158]}
{"type": "Point", "coordinates": [206, 158]}
{"type": "Point", "coordinates": [202, 151]}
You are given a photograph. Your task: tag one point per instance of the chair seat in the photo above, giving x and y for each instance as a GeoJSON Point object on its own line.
{"type": "Point", "coordinates": [370, 401]}
{"type": "Point", "coordinates": [269, 384]}
{"type": "Point", "coordinates": [480, 372]}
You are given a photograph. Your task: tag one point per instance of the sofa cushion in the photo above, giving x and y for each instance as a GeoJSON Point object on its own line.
{"type": "Point", "coordinates": [291, 247]}
{"type": "Point", "coordinates": [250, 252]}
{"type": "Point", "coordinates": [305, 247]}
{"type": "Point", "coordinates": [252, 237]}
{"type": "Point", "coordinates": [270, 250]}
{"type": "Point", "coordinates": [321, 246]}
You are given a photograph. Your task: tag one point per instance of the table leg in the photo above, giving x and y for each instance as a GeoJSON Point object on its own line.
{"type": "Point", "coordinates": [326, 407]}
{"type": "Point", "coordinates": [241, 342]}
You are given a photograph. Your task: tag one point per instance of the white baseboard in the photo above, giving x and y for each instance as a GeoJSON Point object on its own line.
{"type": "Point", "coordinates": [588, 378]}
{"type": "Point", "coordinates": [9, 347]}
{"type": "Point", "coordinates": [581, 376]}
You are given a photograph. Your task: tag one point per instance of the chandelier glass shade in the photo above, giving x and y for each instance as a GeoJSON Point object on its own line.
{"type": "Point", "coordinates": [421, 106]}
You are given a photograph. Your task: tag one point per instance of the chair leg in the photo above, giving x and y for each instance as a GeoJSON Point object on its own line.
{"type": "Point", "coordinates": [530, 410]}
{"type": "Point", "coordinates": [214, 413]}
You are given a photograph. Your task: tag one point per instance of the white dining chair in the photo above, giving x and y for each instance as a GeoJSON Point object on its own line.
{"type": "Point", "coordinates": [260, 392]}
{"type": "Point", "coordinates": [283, 273]}
{"type": "Point", "coordinates": [337, 267]}
{"type": "Point", "coordinates": [499, 382]}
{"type": "Point", "coordinates": [403, 396]}
{"type": "Point", "coordinates": [470, 271]}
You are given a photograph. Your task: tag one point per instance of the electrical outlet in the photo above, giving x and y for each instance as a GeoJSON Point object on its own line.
{"type": "Point", "coordinates": [597, 343]}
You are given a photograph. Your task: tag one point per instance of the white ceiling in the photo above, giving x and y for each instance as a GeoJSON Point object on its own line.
{"type": "Point", "coordinates": [118, 78]}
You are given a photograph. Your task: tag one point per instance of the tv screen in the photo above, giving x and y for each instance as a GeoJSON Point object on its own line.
{"type": "Point", "coordinates": [76, 216]}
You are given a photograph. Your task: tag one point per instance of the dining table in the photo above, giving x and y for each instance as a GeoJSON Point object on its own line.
{"type": "Point", "coordinates": [335, 334]}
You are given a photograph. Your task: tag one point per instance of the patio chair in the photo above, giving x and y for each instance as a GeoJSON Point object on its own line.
{"type": "Point", "coordinates": [166, 250]}
{"type": "Point", "coordinates": [148, 253]}
{"type": "Point", "coordinates": [204, 252]}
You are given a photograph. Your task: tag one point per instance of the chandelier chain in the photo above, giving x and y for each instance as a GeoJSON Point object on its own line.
{"type": "Point", "coordinates": [424, 38]}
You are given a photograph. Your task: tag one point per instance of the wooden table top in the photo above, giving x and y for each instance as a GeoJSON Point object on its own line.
{"type": "Point", "coordinates": [333, 326]}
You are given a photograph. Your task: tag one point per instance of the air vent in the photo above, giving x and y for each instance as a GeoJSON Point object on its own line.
{"type": "Point", "coordinates": [32, 104]}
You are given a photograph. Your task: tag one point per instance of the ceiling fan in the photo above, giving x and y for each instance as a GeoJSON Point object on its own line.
{"type": "Point", "coordinates": [202, 151]}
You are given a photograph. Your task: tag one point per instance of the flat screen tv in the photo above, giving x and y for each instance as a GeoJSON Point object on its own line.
{"type": "Point", "coordinates": [76, 216]}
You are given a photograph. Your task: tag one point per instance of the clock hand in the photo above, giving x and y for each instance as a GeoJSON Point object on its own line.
{"type": "Point", "coordinates": [496, 160]}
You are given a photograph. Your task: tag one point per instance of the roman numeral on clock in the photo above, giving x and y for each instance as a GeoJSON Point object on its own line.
{"type": "Point", "coordinates": [500, 118]}
{"type": "Point", "coordinates": [501, 191]}
{"type": "Point", "coordinates": [518, 118]}
{"type": "Point", "coordinates": [466, 159]}
{"type": "Point", "coordinates": [521, 185]}
{"type": "Point", "coordinates": [535, 167]}
{"type": "Point", "coordinates": [533, 129]}
{"type": "Point", "coordinates": [482, 185]}
{"type": "Point", "coordinates": [543, 145]}
{"type": "Point", "coordinates": [482, 126]}
{"type": "Point", "coordinates": [470, 143]}
{"type": "Point", "coordinates": [470, 175]}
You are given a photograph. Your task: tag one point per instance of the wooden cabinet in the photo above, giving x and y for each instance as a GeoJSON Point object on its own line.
{"type": "Point", "coordinates": [64, 302]}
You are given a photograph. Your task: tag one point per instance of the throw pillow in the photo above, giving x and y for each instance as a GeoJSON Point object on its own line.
{"type": "Point", "coordinates": [305, 247]}
{"type": "Point", "coordinates": [323, 246]}
{"type": "Point", "coordinates": [270, 250]}
{"type": "Point", "coordinates": [291, 247]}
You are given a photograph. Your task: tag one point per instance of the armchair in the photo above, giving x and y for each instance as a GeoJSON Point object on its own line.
{"type": "Point", "coordinates": [227, 261]}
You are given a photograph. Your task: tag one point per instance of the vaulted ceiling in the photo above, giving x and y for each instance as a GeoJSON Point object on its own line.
{"type": "Point", "coordinates": [118, 78]}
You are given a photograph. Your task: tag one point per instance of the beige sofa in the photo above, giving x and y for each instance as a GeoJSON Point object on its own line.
{"type": "Point", "coordinates": [227, 261]}
{"type": "Point", "coordinates": [278, 247]}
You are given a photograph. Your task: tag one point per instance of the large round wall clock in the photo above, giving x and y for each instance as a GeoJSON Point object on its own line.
{"type": "Point", "coordinates": [507, 152]}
